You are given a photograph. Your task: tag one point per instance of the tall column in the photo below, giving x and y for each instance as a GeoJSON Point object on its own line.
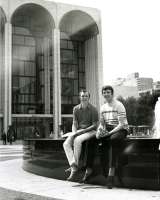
{"type": "Point", "coordinates": [1, 69]}
{"type": "Point", "coordinates": [99, 67]}
{"type": "Point", "coordinates": [91, 69]}
{"type": "Point", "coordinates": [47, 76]}
{"type": "Point", "coordinates": [8, 74]}
{"type": "Point", "coordinates": [56, 81]}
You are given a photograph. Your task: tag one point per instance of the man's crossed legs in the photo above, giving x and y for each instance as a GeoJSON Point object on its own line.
{"type": "Point", "coordinates": [73, 148]}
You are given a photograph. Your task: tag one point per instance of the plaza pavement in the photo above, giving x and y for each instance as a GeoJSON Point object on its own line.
{"type": "Point", "coordinates": [14, 178]}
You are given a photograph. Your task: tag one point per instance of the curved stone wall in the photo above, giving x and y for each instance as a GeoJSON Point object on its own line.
{"type": "Point", "coordinates": [141, 168]}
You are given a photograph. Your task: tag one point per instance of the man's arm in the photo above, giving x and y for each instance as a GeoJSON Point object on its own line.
{"type": "Point", "coordinates": [117, 128]}
{"type": "Point", "coordinates": [74, 126]}
{"type": "Point", "coordinates": [101, 120]}
{"type": "Point", "coordinates": [75, 123]}
{"type": "Point", "coordinates": [90, 128]}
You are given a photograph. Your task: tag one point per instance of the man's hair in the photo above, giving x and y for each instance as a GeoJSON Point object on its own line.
{"type": "Point", "coordinates": [108, 87]}
{"type": "Point", "coordinates": [84, 91]}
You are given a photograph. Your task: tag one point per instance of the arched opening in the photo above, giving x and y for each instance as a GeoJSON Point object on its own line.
{"type": "Point", "coordinates": [78, 59]}
{"type": "Point", "coordinates": [2, 63]}
{"type": "Point", "coordinates": [32, 68]}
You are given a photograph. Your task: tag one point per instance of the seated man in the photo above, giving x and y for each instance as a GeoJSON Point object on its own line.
{"type": "Point", "coordinates": [112, 129]}
{"type": "Point", "coordinates": [85, 118]}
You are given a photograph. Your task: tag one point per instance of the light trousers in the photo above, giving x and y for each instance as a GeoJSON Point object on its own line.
{"type": "Point", "coordinates": [73, 146]}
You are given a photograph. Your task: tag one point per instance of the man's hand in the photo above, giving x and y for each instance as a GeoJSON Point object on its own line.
{"type": "Point", "coordinates": [101, 133]}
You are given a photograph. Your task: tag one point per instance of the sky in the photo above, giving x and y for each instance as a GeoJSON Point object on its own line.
{"type": "Point", "coordinates": [130, 36]}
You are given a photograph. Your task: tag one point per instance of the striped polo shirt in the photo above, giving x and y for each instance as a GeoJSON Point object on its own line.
{"type": "Point", "coordinates": [114, 113]}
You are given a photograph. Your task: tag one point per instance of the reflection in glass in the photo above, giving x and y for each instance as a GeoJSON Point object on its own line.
{"type": "Point", "coordinates": [24, 127]}
{"type": "Point", "coordinates": [71, 72]}
{"type": "Point", "coordinates": [76, 29]}
{"type": "Point", "coordinates": [32, 73]}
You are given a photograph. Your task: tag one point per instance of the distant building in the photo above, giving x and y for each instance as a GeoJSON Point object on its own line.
{"type": "Point", "coordinates": [126, 91]}
{"type": "Point", "coordinates": [118, 81]}
{"type": "Point", "coordinates": [133, 75]}
{"type": "Point", "coordinates": [155, 90]}
{"type": "Point", "coordinates": [132, 85]}
{"type": "Point", "coordinates": [144, 84]}
{"type": "Point", "coordinates": [156, 85]}
{"type": "Point", "coordinates": [144, 92]}
{"type": "Point", "coordinates": [131, 80]}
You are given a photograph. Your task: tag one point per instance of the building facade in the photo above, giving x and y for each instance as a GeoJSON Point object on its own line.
{"type": "Point", "coordinates": [48, 52]}
{"type": "Point", "coordinates": [145, 84]}
{"type": "Point", "coordinates": [154, 91]}
{"type": "Point", "coordinates": [133, 85]}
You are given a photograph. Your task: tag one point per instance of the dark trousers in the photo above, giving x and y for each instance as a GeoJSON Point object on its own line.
{"type": "Point", "coordinates": [4, 138]}
{"type": "Point", "coordinates": [109, 149]}
{"type": "Point", "coordinates": [91, 151]}
{"type": "Point", "coordinates": [4, 141]}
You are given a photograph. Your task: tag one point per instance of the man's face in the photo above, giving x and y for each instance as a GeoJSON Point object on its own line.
{"type": "Point", "coordinates": [107, 94]}
{"type": "Point", "coordinates": [84, 97]}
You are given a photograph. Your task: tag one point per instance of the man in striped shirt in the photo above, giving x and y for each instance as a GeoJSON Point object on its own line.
{"type": "Point", "coordinates": [112, 129]}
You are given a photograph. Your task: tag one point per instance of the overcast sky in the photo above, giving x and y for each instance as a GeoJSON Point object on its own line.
{"type": "Point", "coordinates": [130, 36]}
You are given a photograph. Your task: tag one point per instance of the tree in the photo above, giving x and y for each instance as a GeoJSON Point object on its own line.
{"type": "Point", "coordinates": [139, 111]}
{"type": "Point", "coordinates": [131, 110]}
{"type": "Point", "coordinates": [145, 110]}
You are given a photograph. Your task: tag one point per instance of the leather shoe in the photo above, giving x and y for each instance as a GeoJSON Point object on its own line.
{"type": "Point", "coordinates": [110, 182]}
{"type": "Point", "coordinates": [72, 175]}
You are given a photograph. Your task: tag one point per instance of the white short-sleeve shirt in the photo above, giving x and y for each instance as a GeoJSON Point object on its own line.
{"type": "Point", "coordinates": [114, 113]}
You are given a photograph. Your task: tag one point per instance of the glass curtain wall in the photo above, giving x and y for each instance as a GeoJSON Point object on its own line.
{"type": "Point", "coordinates": [76, 28]}
{"type": "Point", "coordinates": [72, 73]}
{"type": "Point", "coordinates": [32, 65]}
{"type": "Point", "coordinates": [31, 68]}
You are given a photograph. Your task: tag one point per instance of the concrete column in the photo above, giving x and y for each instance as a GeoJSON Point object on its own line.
{"type": "Point", "coordinates": [56, 82]}
{"type": "Point", "coordinates": [47, 75]}
{"type": "Point", "coordinates": [59, 74]}
{"type": "Point", "coordinates": [1, 69]}
{"type": "Point", "coordinates": [100, 68]}
{"type": "Point", "coordinates": [8, 74]}
{"type": "Point", "coordinates": [91, 68]}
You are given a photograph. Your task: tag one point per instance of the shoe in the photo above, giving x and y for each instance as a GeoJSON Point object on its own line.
{"type": "Point", "coordinates": [87, 176]}
{"type": "Point", "coordinates": [72, 175]}
{"type": "Point", "coordinates": [110, 182]}
{"type": "Point", "coordinates": [68, 170]}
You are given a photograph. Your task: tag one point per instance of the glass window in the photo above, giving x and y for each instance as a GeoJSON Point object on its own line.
{"type": "Point", "coordinates": [17, 39]}
{"type": "Point", "coordinates": [72, 75]}
{"type": "Point", "coordinates": [70, 45]}
{"type": "Point", "coordinates": [31, 59]}
{"type": "Point", "coordinates": [24, 127]}
{"type": "Point", "coordinates": [25, 77]}
{"type": "Point", "coordinates": [66, 56]}
{"type": "Point", "coordinates": [29, 41]}
{"type": "Point", "coordinates": [63, 44]}
{"type": "Point", "coordinates": [66, 124]}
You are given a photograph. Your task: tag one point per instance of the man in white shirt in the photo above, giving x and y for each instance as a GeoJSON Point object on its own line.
{"type": "Point", "coordinates": [112, 129]}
